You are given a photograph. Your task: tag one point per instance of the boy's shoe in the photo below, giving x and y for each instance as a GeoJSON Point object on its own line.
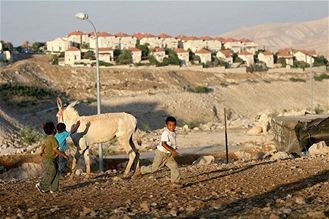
{"type": "Point", "coordinates": [55, 192]}
{"type": "Point", "coordinates": [137, 173]}
{"type": "Point", "coordinates": [39, 188]}
{"type": "Point", "coordinates": [176, 185]}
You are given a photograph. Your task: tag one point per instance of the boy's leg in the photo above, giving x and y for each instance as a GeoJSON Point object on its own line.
{"type": "Point", "coordinates": [62, 165]}
{"type": "Point", "coordinates": [157, 161]}
{"type": "Point", "coordinates": [174, 171]}
{"type": "Point", "coordinates": [48, 174]}
{"type": "Point", "coordinates": [55, 181]}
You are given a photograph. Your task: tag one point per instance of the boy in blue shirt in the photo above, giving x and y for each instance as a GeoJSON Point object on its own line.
{"type": "Point", "coordinates": [61, 137]}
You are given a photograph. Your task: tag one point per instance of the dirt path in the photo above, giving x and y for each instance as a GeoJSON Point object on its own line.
{"type": "Point", "coordinates": [286, 189]}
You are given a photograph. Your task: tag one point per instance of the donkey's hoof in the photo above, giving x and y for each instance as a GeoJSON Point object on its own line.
{"type": "Point", "coordinates": [126, 176]}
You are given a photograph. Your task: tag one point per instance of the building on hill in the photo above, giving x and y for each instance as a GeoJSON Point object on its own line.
{"type": "Point", "coordinates": [305, 56]}
{"type": "Point", "coordinates": [168, 41]}
{"type": "Point", "coordinates": [183, 56]}
{"type": "Point", "coordinates": [159, 54]}
{"type": "Point", "coordinates": [72, 56]}
{"type": "Point", "coordinates": [232, 44]}
{"type": "Point", "coordinates": [105, 40]}
{"type": "Point", "coordinates": [248, 45]}
{"type": "Point", "coordinates": [286, 55]}
{"type": "Point", "coordinates": [205, 55]}
{"type": "Point", "coordinates": [126, 41]}
{"type": "Point", "coordinates": [58, 45]}
{"type": "Point", "coordinates": [247, 57]}
{"type": "Point", "coordinates": [136, 55]}
{"type": "Point", "coordinates": [225, 55]}
{"type": "Point", "coordinates": [150, 39]}
{"type": "Point", "coordinates": [266, 57]}
{"type": "Point", "coordinates": [212, 43]}
{"type": "Point", "coordinates": [77, 37]}
{"type": "Point", "coordinates": [106, 55]}
{"type": "Point", "coordinates": [193, 43]}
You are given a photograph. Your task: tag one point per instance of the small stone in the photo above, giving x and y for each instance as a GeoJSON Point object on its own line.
{"type": "Point", "coordinates": [300, 200]}
{"type": "Point", "coordinates": [145, 206]}
{"type": "Point", "coordinates": [273, 216]}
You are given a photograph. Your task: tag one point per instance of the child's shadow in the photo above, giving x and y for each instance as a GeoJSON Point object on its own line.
{"type": "Point", "coordinates": [76, 137]}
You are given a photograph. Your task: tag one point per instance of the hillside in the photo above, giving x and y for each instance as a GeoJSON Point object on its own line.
{"type": "Point", "coordinates": [304, 35]}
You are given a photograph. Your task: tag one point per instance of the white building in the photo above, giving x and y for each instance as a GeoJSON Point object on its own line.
{"type": "Point", "coordinates": [72, 56]}
{"type": "Point", "coordinates": [232, 44]}
{"type": "Point", "coordinates": [136, 55]}
{"type": "Point", "coordinates": [159, 54]}
{"type": "Point", "coordinates": [193, 43]}
{"type": "Point", "coordinates": [152, 40]}
{"type": "Point", "coordinates": [105, 40]}
{"type": "Point", "coordinates": [168, 41]}
{"type": "Point", "coordinates": [248, 45]}
{"type": "Point", "coordinates": [247, 57]}
{"type": "Point", "coordinates": [266, 57]}
{"type": "Point", "coordinates": [205, 55]}
{"type": "Point", "coordinates": [213, 44]}
{"type": "Point", "coordinates": [305, 56]}
{"type": "Point", "coordinates": [78, 37]}
{"type": "Point", "coordinates": [106, 55]}
{"type": "Point", "coordinates": [183, 56]}
{"type": "Point", "coordinates": [126, 41]}
{"type": "Point", "coordinates": [286, 54]}
{"type": "Point", "coordinates": [58, 45]}
{"type": "Point", "coordinates": [225, 55]}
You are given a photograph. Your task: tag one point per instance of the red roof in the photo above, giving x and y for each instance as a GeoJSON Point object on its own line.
{"type": "Point", "coordinates": [164, 35]}
{"type": "Point", "coordinates": [121, 34]}
{"type": "Point", "coordinates": [73, 49]}
{"type": "Point", "coordinates": [103, 34]}
{"type": "Point", "coordinates": [230, 40]}
{"type": "Point", "coordinates": [143, 35]}
{"type": "Point", "coordinates": [181, 36]}
{"type": "Point", "coordinates": [286, 52]}
{"type": "Point", "coordinates": [75, 33]}
{"type": "Point", "coordinates": [228, 53]}
{"type": "Point", "coordinates": [308, 52]}
{"type": "Point", "coordinates": [192, 38]}
{"type": "Point", "coordinates": [105, 49]}
{"type": "Point", "coordinates": [219, 38]}
{"type": "Point", "coordinates": [180, 50]}
{"type": "Point", "coordinates": [134, 50]}
{"type": "Point", "coordinates": [245, 53]}
{"type": "Point", "coordinates": [267, 53]}
{"type": "Point", "coordinates": [158, 50]}
{"type": "Point", "coordinates": [207, 38]}
{"type": "Point", "coordinates": [203, 51]}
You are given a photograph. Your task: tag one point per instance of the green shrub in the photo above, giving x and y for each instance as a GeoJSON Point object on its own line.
{"type": "Point", "coordinates": [9, 89]}
{"type": "Point", "coordinates": [28, 135]}
{"type": "Point", "coordinates": [321, 77]}
{"type": "Point", "coordinates": [297, 80]}
{"type": "Point", "coordinates": [320, 61]}
{"type": "Point", "coordinates": [102, 63]}
{"type": "Point", "coordinates": [125, 58]}
{"type": "Point", "coordinates": [200, 90]}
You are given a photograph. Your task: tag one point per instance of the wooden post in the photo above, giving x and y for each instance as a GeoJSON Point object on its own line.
{"type": "Point", "coordinates": [226, 143]}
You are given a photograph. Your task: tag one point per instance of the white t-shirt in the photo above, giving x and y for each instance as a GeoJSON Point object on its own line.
{"type": "Point", "coordinates": [170, 138]}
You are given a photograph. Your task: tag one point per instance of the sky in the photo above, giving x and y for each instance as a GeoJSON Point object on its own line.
{"type": "Point", "coordinates": [47, 20]}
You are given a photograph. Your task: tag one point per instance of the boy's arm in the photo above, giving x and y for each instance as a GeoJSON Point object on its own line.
{"type": "Point", "coordinates": [168, 148]}
{"type": "Point", "coordinates": [76, 127]}
{"type": "Point", "coordinates": [42, 150]}
{"type": "Point", "coordinates": [60, 153]}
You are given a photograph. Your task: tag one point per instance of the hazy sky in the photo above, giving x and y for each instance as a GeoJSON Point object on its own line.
{"type": "Point", "coordinates": [45, 20]}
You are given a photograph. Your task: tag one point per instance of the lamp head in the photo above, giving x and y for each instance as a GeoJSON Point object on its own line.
{"type": "Point", "coordinates": [81, 16]}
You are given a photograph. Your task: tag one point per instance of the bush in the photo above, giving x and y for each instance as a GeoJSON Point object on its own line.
{"type": "Point", "coordinates": [321, 77]}
{"type": "Point", "coordinates": [200, 90]}
{"type": "Point", "coordinates": [300, 64]}
{"type": "Point", "coordinates": [28, 135]}
{"type": "Point", "coordinates": [297, 80]}
{"type": "Point", "coordinates": [102, 63]}
{"type": "Point", "coordinates": [89, 55]}
{"type": "Point", "coordinates": [53, 59]}
{"type": "Point", "coordinates": [172, 57]}
{"type": "Point", "coordinates": [320, 61]}
{"type": "Point", "coordinates": [24, 91]}
{"type": "Point", "coordinates": [125, 58]}
{"type": "Point", "coordinates": [282, 61]}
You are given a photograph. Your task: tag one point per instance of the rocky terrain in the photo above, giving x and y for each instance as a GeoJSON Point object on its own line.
{"type": "Point", "coordinates": [292, 188]}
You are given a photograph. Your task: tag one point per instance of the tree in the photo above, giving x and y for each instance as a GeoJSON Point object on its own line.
{"type": "Point", "coordinates": [319, 61]}
{"type": "Point", "coordinates": [145, 50]}
{"type": "Point", "coordinates": [125, 58]}
{"type": "Point", "coordinates": [37, 45]}
{"type": "Point", "coordinates": [153, 60]}
{"type": "Point", "coordinates": [300, 64]}
{"type": "Point", "coordinates": [172, 57]}
{"type": "Point", "coordinates": [116, 53]}
{"type": "Point", "coordinates": [89, 55]}
{"type": "Point", "coordinates": [282, 61]}
{"type": "Point", "coordinates": [85, 45]}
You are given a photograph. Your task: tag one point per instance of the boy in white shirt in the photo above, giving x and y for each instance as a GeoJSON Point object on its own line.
{"type": "Point", "coordinates": [165, 153]}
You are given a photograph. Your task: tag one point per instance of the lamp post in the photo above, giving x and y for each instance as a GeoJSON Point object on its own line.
{"type": "Point", "coordinates": [83, 16]}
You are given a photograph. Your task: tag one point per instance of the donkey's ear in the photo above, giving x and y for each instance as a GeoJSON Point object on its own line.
{"type": "Point", "coordinates": [59, 103]}
{"type": "Point", "coordinates": [73, 103]}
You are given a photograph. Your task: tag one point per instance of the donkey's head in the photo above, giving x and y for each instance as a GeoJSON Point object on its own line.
{"type": "Point", "coordinates": [67, 115]}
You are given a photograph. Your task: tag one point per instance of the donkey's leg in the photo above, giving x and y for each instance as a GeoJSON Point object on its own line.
{"type": "Point", "coordinates": [124, 142]}
{"type": "Point", "coordinates": [87, 161]}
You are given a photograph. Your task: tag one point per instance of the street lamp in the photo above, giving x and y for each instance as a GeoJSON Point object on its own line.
{"type": "Point", "coordinates": [84, 16]}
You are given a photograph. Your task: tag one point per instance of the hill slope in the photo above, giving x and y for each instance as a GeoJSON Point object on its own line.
{"type": "Point", "coordinates": [305, 35]}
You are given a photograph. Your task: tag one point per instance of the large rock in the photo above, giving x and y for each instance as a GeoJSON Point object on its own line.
{"type": "Point", "coordinates": [280, 155]}
{"type": "Point", "coordinates": [318, 148]}
{"type": "Point", "coordinates": [256, 130]}
{"type": "Point", "coordinates": [204, 160]}
{"type": "Point", "coordinates": [242, 155]}
{"type": "Point", "coordinates": [25, 171]}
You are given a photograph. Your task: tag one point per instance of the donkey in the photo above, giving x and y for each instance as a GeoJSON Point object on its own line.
{"type": "Point", "coordinates": [96, 129]}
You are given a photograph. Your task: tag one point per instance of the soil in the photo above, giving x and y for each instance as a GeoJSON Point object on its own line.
{"type": "Point", "coordinates": [293, 188]}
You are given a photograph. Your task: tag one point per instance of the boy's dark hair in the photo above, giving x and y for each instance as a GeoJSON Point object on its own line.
{"type": "Point", "coordinates": [170, 119]}
{"type": "Point", "coordinates": [61, 127]}
{"type": "Point", "coordinates": [49, 128]}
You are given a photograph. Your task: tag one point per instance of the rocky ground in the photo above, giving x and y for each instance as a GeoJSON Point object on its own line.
{"type": "Point", "coordinates": [292, 188]}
